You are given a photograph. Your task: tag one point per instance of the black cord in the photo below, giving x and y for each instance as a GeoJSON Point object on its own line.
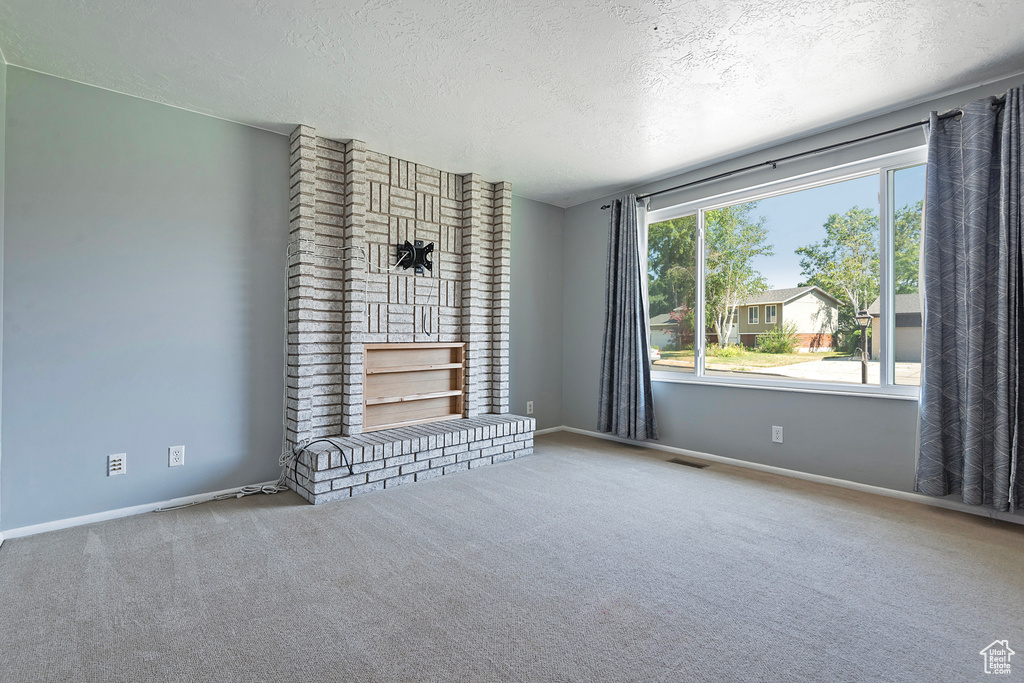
{"type": "Point", "coordinates": [299, 449]}
{"type": "Point", "coordinates": [332, 442]}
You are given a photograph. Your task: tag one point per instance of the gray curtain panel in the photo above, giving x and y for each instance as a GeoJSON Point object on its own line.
{"type": "Point", "coordinates": [626, 406]}
{"type": "Point", "coordinates": [971, 271]}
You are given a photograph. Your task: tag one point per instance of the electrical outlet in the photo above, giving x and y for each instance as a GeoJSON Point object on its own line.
{"type": "Point", "coordinates": [776, 434]}
{"type": "Point", "coordinates": [175, 456]}
{"type": "Point", "coordinates": [529, 407]}
{"type": "Point", "coordinates": [117, 464]}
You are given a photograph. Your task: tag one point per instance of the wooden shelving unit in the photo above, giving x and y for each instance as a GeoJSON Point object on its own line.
{"type": "Point", "coordinates": [409, 384]}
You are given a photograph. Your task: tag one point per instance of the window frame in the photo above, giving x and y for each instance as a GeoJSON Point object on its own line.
{"type": "Point", "coordinates": [884, 166]}
{"type": "Point", "coordinates": [753, 319]}
{"type": "Point", "coordinates": [773, 317]}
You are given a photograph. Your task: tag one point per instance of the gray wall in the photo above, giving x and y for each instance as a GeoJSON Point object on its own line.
{"type": "Point", "coordinates": [867, 440]}
{"type": "Point", "coordinates": [144, 300]}
{"type": "Point", "coordinates": [3, 147]}
{"type": "Point", "coordinates": [536, 317]}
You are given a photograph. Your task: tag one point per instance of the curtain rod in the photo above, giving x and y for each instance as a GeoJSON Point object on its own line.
{"type": "Point", "coordinates": [772, 162]}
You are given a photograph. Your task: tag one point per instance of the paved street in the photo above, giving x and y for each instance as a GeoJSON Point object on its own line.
{"type": "Point", "coordinates": [832, 370]}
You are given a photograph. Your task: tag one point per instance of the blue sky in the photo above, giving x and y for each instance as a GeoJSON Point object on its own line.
{"type": "Point", "coordinates": [797, 219]}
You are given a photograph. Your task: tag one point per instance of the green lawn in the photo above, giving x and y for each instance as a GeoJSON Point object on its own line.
{"type": "Point", "coordinates": [746, 358]}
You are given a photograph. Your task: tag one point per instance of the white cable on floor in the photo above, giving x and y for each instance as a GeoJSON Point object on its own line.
{"type": "Point", "coordinates": [281, 485]}
{"type": "Point", "coordinates": [286, 460]}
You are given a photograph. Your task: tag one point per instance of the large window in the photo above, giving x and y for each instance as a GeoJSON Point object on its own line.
{"type": "Point", "coordinates": [812, 252]}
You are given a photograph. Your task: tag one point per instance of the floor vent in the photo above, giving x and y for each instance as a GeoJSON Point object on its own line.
{"type": "Point", "coordinates": [689, 463]}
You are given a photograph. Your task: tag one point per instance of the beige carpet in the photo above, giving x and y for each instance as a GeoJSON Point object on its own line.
{"type": "Point", "coordinates": [588, 561]}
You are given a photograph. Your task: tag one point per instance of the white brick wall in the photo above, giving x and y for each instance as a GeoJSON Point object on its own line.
{"type": "Point", "coordinates": [347, 201]}
{"type": "Point", "coordinates": [303, 351]}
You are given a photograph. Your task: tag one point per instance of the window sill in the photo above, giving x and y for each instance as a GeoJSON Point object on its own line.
{"type": "Point", "coordinates": [898, 392]}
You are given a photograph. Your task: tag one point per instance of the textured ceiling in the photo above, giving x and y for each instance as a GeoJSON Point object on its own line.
{"type": "Point", "coordinates": [567, 99]}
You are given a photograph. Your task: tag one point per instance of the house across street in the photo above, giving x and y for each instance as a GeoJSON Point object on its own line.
{"type": "Point", "coordinates": [812, 311]}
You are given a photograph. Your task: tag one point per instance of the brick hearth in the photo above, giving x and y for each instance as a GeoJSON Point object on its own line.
{"type": "Point", "coordinates": [393, 457]}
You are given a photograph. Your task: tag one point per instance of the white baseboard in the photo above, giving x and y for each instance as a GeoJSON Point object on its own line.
{"type": "Point", "coordinates": [115, 514]}
{"type": "Point", "coordinates": [797, 474]}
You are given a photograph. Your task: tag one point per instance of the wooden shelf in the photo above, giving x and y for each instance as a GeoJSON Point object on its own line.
{"type": "Point", "coordinates": [406, 384]}
{"type": "Point", "coordinates": [413, 368]}
{"type": "Point", "coordinates": [380, 400]}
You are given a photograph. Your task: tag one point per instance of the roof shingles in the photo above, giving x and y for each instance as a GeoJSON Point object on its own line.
{"type": "Point", "coordinates": [904, 303]}
{"type": "Point", "coordinates": [781, 296]}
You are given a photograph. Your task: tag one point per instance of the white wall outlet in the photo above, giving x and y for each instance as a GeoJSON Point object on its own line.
{"type": "Point", "coordinates": [529, 407]}
{"type": "Point", "coordinates": [117, 464]}
{"type": "Point", "coordinates": [175, 456]}
{"type": "Point", "coordinates": [776, 434]}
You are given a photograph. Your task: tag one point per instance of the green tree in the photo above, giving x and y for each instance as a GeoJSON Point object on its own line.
{"type": "Point", "coordinates": [907, 248]}
{"type": "Point", "coordinates": [672, 264]}
{"type": "Point", "coordinates": [733, 239]}
{"type": "Point", "coordinates": [845, 263]}
{"type": "Point", "coordinates": [682, 333]}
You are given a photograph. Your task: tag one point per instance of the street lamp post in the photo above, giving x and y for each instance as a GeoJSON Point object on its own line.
{"type": "Point", "coordinates": [863, 319]}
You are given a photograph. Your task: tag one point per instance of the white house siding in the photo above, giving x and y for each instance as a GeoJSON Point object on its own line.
{"type": "Point", "coordinates": [812, 314]}
{"type": "Point", "coordinates": [660, 338]}
{"type": "Point", "coordinates": [907, 343]}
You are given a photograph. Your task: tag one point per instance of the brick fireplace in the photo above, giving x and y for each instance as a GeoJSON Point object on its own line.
{"type": "Point", "coordinates": [349, 209]}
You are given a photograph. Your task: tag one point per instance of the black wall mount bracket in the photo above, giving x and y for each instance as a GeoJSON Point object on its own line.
{"type": "Point", "coordinates": [415, 255]}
